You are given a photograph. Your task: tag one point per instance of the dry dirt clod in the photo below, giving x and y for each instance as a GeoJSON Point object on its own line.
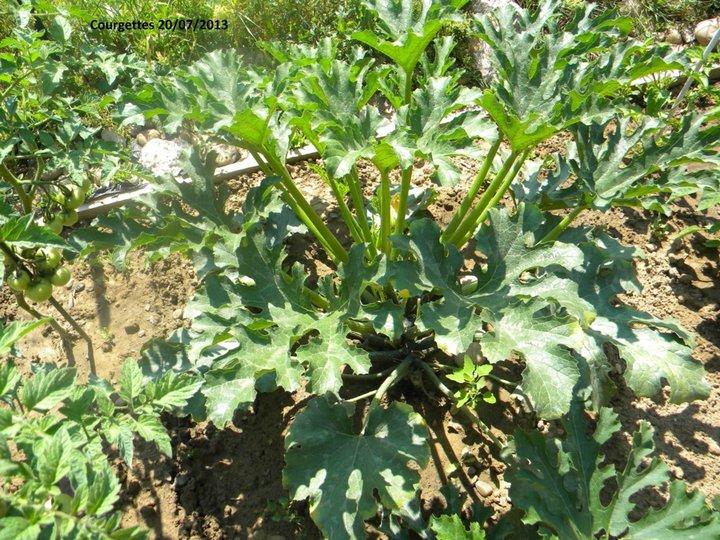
{"type": "Point", "coordinates": [484, 489]}
{"type": "Point", "coordinates": [674, 36]}
{"type": "Point", "coordinates": [688, 36]}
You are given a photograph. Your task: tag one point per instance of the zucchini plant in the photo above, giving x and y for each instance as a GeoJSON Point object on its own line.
{"type": "Point", "coordinates": [407, 295]}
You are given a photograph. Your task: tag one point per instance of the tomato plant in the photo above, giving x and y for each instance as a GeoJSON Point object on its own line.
{"type": "Point", "coordinates": [63, 484]}
{"type": "Point", "coordinates": [55, 96]}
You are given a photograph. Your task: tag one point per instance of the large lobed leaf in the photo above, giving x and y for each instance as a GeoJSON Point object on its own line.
{"type": "Point", "coordinates": [254, 327]}
{"type": "Point", "coordinates": [348, 475]}
{"type": "Point", "coordinates": [562, 486]}
{"type": "Point", "coordinates": [551, 78]}
{"type": "Point", "coordinates": [409, 27]}
{"type": "Point", "coordinates": [622, 162]}
{"type": "Point", "coordinates": [555, 305]}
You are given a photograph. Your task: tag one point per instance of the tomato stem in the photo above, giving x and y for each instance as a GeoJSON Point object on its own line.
{"type": "Point", "coordinates": [11, 179]}
{"type": "Point", "coordinates": [71, 320]}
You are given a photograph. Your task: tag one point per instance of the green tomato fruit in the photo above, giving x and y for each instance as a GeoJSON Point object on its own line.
{"type": "Point", "coordinates": [86, 185]}
{"type": "Point", "coordinates": [60, 277]}
{"type": "Point", "coordinates": [58, 197]}
{"type": "Point", "coordinates": [69, 218]}
{"type": "Point", "coordinates": [76, 198]}
{"type": "Point", "coordinates": [47, 259]}
{"type": "Point", "coordinates": [39, 290]}
{"type": "Point", "coordinates": [55, 224]}
{"type": "Point", "coordinates": [19, 280]}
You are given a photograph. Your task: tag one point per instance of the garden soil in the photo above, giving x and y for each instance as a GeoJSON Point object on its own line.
{"type": "Point", "coordinates": [227, 484]}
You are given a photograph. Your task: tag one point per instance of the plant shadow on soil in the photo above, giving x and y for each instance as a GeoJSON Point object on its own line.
{"type": "Point", "coordinates": [233, 475]}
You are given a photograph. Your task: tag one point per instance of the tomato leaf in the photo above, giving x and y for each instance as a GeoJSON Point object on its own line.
{"type": "Point", "coordinates": [47, 388]}
{"type": "Point", "coordinates": [131, 381]}
{"type": "Point", "coordinates": [53, 461]}
{"type": "Point", "coordinates": [150, 428]}
{"type": "Point", "coordinates": [13, 332]}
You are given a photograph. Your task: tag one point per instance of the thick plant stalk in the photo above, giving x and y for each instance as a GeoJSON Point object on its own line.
{"type": "Point", "coordinates": [564, 224]}
{"type": "Point", "coordinates": [327, 238]}
{"type": "Point", "coordinates": [405, 184]}
{"type": "Point", "coordinates": [504, 186]}
{"type": "Point", "coordinates": [357, 199]}
{"type": "Point", "coordinates": [471, 218]}
{"type": "Point", "coordinates": [367, 376]}
{"type": "Point", "coordinates": [395, 376]}
{"type": "Point", "coordinates": [302, 217]}
{"type": "Point", "coordinates": [385, 219]}
{"type": "Point", "coordinates": [289, 200]}
{"type": "Point", "coordinates": [10, 178]}
{"type": "Point", "coordinates": [350, 221]}
{"type": "Point", "coordinates": [472, 192]}
{"type": "Point", "coordinates": [261, 163]}
{"type": "Point", "coordinates": [407, 94]}
{"type": "Point", "coordinates": [52, 322]}
{"type": "Point", "coordinates": [71, 320]}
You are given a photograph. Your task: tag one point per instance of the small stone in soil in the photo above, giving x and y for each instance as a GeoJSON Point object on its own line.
{"type": "Point", "coordinates": [177, 314]}
{"type": "Point", "coordinates": [133, 328]}
{"type": "Point", "coordinates": [148, 307]}
{"type": "Point", "coordinates": [141, 333]}
{"type": "Point", "coordinates": [80, 287]}
{"type": "Point", "coordinates": [181, 480]}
